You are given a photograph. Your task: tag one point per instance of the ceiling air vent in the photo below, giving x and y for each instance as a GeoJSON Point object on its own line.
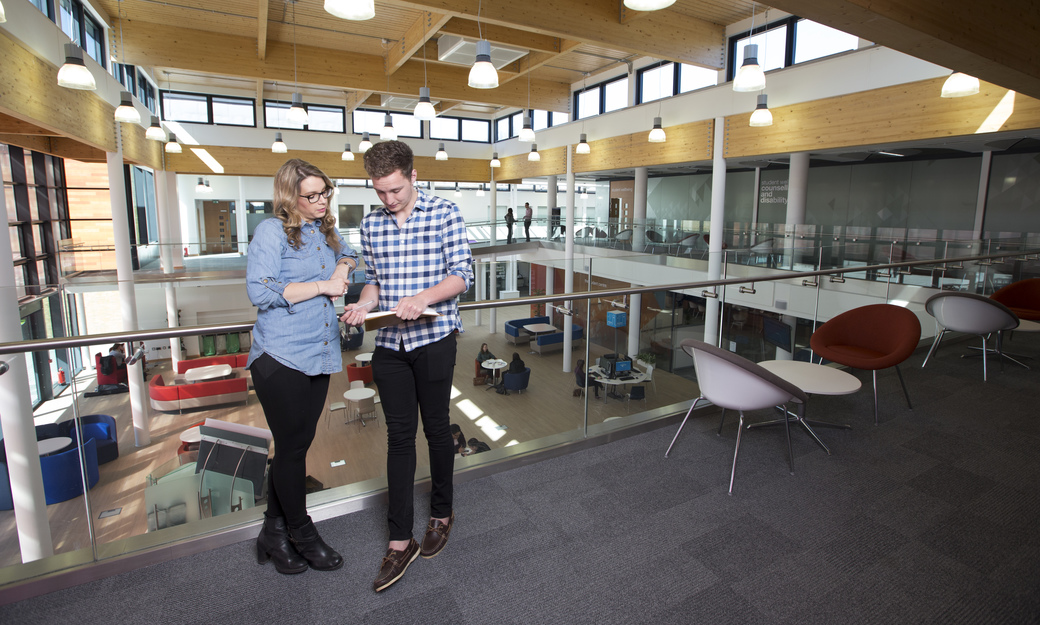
{"type": "Point", "coordinates": [454, 49]}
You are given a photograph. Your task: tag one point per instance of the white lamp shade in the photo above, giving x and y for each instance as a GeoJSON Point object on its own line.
{"type": "Point", "coordinates": [458, 193]}
{"type": "Point", "coordinates": [172, 147]}
{"type": "Point", "coordinates": [279, 147]}
{"type": "Point", "coordinates": [298, 114]}
{"type": "Point", "coordinates": [74, 74]}
{"type": "Point", "coordinates": [527, 132]}
{"type": "Point", "coordinates": [657, 134]}
{"type": "Point", "coordinates": [424, 109]}
{"type": "Point", "coordinates": [365, 144]}
{"type": "Point", "coordinates": [648, 5]}
{"type": "Point", "coordinates": [3, 16]}
{"type": "Point", "coordinates": [388, 133]}
{"type": "Point", "coordinates": [155, 131]}
{"type": "Point", "coordinates": [347, 154]}
{"type": "Point", "coordinates": [483, 74]}
{"type": "Point", "coordinates": [761, 116]}
{"type": "Point", "coordinates": [352, 9]}
{"type": "Point", "coordinates": [494, 160]}
{"type": "Point", "coordinates": [480, 191]}
{"type": "Point", "coordinates": [959, 85]}
{"type": "Point", "coordinates": [583, 146]}
{"type": "Point", "coordinates": [200, 187]}
{"type": "Point", "coordinates": [442, 155]}
{"type": "Point", "coordinates": [126, 112]}
{"type": "Point", "coordinates": [750, 76]}
{"type": "Point", "coordinates": [534, 155]}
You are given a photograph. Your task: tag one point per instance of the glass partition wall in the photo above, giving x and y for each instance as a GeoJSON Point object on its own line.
{"type": "Point", "coordinates": [192, 480]}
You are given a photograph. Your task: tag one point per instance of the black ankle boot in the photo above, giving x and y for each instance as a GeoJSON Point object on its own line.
{"type": "Point", "coordinates": [273, 544]}
{"type": "Point", "coordinates": [310, 545]}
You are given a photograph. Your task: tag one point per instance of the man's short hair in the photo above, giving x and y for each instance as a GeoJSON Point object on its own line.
{"type": "Point", "coordinates": [386, 157]}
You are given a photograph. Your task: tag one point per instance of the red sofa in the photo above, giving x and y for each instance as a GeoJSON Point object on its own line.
{"type": "Point", "coordinates": [237, 361]}
{"type": "Point", "coordinates": [118, 376]}
{"type": "Point", "coordinates": [200, 394]}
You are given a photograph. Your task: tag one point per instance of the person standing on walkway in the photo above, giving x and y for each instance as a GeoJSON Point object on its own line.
{"type": "Point", "coordinates": [510, 220]}
{"type": "Point", "coordinates": [528, 214]}
{"type": "Point", "coordinates": [417, 256]}
{"type": "Point", "coordinates": [298, 265]}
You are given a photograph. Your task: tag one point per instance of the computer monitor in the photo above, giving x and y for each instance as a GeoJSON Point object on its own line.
{"type": "Point", "coordinates": [776, 332]}
{"type": "Point", "coordinates": [622, 365]}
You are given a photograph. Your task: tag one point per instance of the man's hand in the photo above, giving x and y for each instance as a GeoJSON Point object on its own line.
{"type": "Point", "coordinates": [412, 307]}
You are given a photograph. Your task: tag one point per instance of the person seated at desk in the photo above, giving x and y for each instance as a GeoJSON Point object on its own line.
{"type": "Point", "coordinates": [584, 380]}
{"type": "Point", "coordinates": [118, 354]}
{"type": "Point", "coordinates": [484, 354]}
{"type": "Point", "coordinates": [516, 365]}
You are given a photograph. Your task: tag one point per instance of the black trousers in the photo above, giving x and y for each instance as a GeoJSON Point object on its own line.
{"type": "Point", "coordinates": [293, 403]}
{"type": "Point", "coordinates": [527, 229]}
{"type": "Point", "coordinates": [412, 384]}
{"type": "Point", "coordinates": [509, 233]}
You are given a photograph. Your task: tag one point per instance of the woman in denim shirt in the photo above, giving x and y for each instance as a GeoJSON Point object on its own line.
{"type": "Point", "coordinates": [298, 265]}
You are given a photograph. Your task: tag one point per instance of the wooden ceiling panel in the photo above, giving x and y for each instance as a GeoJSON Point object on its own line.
{"type": "Point", "coordinates": [722, 12]}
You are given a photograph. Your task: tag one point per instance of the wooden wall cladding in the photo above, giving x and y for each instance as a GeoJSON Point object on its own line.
{"type": "Point", "coordinates": [907, 112]}
{"type": "Point", "coordinates": [686, 143]}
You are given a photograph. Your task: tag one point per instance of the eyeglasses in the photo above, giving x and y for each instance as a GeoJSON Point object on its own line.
{"type": "Point", "coordinates": [313, 197]}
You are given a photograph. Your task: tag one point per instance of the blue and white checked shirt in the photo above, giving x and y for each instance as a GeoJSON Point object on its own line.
{"type": "Point", "coordinates": [304, 335]}
{"type": "Point", "coordinates": [402, 261]}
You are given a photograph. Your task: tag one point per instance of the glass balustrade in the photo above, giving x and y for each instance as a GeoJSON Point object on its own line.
{"type": "Point", "coordinates": [156, 473]}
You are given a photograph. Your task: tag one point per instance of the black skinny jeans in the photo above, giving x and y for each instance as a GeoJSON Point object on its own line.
{"type": "Point", "coordinates": [293, 403]}
{"type": "Point", "coordinates": [410, 384]}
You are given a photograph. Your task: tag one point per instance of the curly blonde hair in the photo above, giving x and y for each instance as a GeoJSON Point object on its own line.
{"type": "Point", "coordinates": [286, 193]}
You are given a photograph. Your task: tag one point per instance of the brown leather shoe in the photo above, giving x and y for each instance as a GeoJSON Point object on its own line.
{"type": "Point", "coordinates": [436, 536]}
{"type": "Point", "coordinates": [395, 563]}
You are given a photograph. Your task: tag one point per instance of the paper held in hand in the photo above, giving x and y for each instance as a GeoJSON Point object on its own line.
{"type": "Point", "coordinates": [376, 320]}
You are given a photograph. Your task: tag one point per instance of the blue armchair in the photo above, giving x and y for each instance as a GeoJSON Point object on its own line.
{"type": "Point", "coordinates": [101, 428]}
{"type": "Point", "coordinates": [517, 381]}
{"type": "Point", "coordinates": [61, 473]}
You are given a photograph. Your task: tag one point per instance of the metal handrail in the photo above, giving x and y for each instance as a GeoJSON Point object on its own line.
{"type": "Point", "coordinates": [17, 347]}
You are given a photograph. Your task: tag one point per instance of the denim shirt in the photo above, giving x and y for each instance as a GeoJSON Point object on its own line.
{"type": "Point", "coordinates": [304, 335]}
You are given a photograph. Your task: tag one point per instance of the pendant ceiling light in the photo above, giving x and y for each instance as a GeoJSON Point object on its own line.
{"type": "Point", "coordinates": [959, 85]}
{"type": "Point", "coordinates": [458, 192]}
{"type": "Point", "coordinates": [74, 73]}
{"type": "Point", "coordinates": [761, 116]}
{"type": "Point", "coordinates": [527, 132]}
{"type": "Point", "coordinates": [365, 144]}
{"type": "Point", "coordinates": [3, 16]}
{"type": "Point", "coordinates": [494, 160]}
{"type": "Point", "coordinates": [297, 114]}
{"type": "Point", "coordinates": [126, 112]}
{"type": "Point", "coordinates": [208, 188]}
{"type": "Point", "coordinates": [657, 134]}
{"type": "Point", "coordinates": [750, 76]}
{"type": "Point", "coordinates": [352, 9]}
{"type": "Point", "coordinates": [483, 74]}
{"type": "Point", "coordinates": [279, 147]}
{"type": "Point", "coordinates": [200, 187]}
{"type": "Point", "coordinates": [583, 145]}
{"type": "Point", "coordinates": [584, 193]}
{"type": "Point", "coordinates": [155, 131]}
{"type": "Point", "coordinates": [648, 5]}
{"type": "Point", "coordinates": [424, 109]}
{"type": "Point", "coordinates": [534, 155]}
{"type": "Point", "coordinates": [388, 133]}
{"type": "Point", "coordinates": [480, 191]}
{"type": "Point", "coordinates": [347, 154]}
{"type": "Point", "coordinates": [441, 154]}
{"type": "Point", "coordinates": [172, 147]}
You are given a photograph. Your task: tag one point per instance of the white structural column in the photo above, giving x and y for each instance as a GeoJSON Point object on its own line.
{"type": "Point", "coordinates": [173, 204]}
{"type": "Point", "coordinates": [550, 287]}
{"type": "Point", "coordinates": [16, 423]}
{"type": "Point", "coordinates": [550, 202]}
{"type": "Point", "coordinates": [718, 210]}
{"type": "Point", "coordinates": [568, 262]}
{"type": "Point", "coordinates": [755, 204]}
{"type": "Point", "coordinates": [493, 209]}
{"type": "Point", "coordinates": [242, 216]}
{"type": "Point", "coordinates": [127, 294]}
{"type": "Point", "coordinates": [168, 246]}
{"type": "Point", "coordinates": [478, 289]}
{"type": "Point", "coordinates": [639, 210]}
{"type": "Point", "coordinates": [81, 326]}
{"type": "Point", "coordinates": [635, 306]}
{"type": "Point", "coordinates": [797, 188]}
{"type": "Point", "coordinates": [493, 294]}
{"type": "Point", "coordinates": [980, 201]}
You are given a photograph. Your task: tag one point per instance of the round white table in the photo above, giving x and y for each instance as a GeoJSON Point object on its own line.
{"type": "Point", "coordinates": [625, 378]}
{"type": "Point", "coordinates": [191, 435]}
{"type": "Point", "coordinates": [209, 372]}
{"type": "Point", "coordinates": [813, 379]}
{"type": "Point", "coordinates": [50, 445]}
{"type": "Point", "coordinates": [539, 328]}
{"type": "Point", "coordinates": [365, 359]}
{"type": "Point", "coordinates": [354, 396]}
{"type": "Point", "coordinates": [494, 365]}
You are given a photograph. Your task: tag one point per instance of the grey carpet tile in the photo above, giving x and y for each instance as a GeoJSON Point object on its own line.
{"type": "Point", "coordinates": [951, 484]}
{"type": "Point", "coordinates": [976, 542]}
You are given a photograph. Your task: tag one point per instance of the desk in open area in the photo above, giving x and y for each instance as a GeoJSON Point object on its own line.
{"type": "Point", "coordinates": [539, 328]}
{"type": "Point", "coordinates": [624, 379]}
{"type": "Point", "coordinates": [48, 446]}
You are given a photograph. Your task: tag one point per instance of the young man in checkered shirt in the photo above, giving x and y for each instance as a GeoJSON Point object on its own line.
{"type": "Point", "coordinates": [417, 256]}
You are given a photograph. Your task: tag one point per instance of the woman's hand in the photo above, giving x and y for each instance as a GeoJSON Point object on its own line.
{"type": "Point", "coordinates": [334, 287]}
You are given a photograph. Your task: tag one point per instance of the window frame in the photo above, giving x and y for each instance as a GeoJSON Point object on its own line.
{"type": "Point", "coordinates": [602, 97]}
{"type": "Point", "coordinates": [211, 121]}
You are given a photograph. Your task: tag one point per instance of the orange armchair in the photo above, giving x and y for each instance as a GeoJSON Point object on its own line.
{"type": "Point", "coordinates": [871, 338]}
{"type": "Point", "coordinates": [1022, 297]}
